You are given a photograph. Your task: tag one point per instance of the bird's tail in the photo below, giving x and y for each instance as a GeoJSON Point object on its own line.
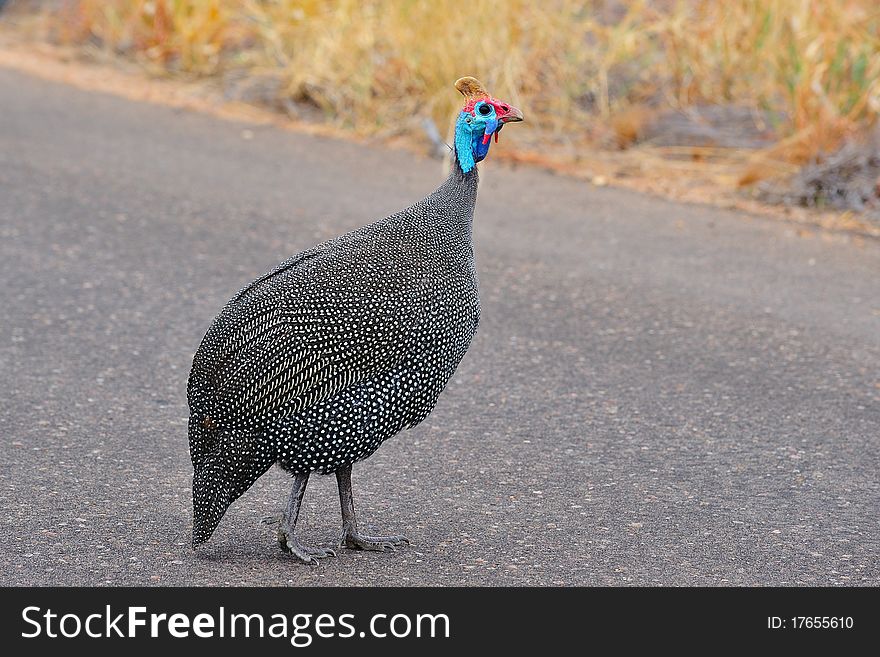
{"type": "Point", "coordinates": [211, 497]}
{"type": "Point", "coordinates": [225, 464]}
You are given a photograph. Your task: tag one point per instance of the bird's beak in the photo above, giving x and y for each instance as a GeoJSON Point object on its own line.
{"type": "Point", "coordinates": [511, 116]}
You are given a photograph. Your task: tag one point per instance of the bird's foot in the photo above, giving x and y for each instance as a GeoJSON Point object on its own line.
{"type": "Point", "coordinates": [357, 541]}
{"type": "Point", "coordinates": [306, 555]}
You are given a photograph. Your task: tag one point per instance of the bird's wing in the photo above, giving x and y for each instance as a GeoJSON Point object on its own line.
{"type": "Point", "coordinates": [287, 369]}
{"type": "Point", "coordinates": [298, 335]}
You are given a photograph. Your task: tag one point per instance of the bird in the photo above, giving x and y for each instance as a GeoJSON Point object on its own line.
{"type": "Point", "coordinates": [313, 365]}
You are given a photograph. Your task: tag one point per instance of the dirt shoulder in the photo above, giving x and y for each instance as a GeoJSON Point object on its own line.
{"type": "Point", "coordinates": [656, 171]}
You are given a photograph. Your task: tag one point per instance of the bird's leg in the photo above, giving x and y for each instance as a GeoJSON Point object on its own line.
{"type": "Point", "coordinates": [350, 536]}
{"type": "Point", "coordinates": [286, 539]}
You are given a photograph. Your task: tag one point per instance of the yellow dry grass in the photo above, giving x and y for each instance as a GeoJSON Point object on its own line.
{"type": "Point", "coordinates": [583, 71]}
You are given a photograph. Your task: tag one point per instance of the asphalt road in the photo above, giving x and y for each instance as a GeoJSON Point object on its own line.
{"type": "Point", "coordinates": [658, 394]}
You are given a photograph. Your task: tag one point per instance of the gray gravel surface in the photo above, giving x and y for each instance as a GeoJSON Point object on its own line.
{"type": "Point", "coordinates": [658, 394]}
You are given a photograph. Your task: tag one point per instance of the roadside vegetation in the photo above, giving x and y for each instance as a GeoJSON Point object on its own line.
{"type": "Point", "coordinates": [775, 98]}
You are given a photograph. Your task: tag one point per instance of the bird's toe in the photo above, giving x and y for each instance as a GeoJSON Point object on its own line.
{"type": "Point", "coordinates": [373, 543]}
{"type": "Point", "coordinates": [306, 555]}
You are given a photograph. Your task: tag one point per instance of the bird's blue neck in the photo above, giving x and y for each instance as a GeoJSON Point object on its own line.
{"type": "Point", "coordinates": [471, 145]}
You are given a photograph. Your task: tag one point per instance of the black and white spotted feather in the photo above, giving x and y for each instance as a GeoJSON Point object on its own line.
{"type": "Point", "coordinates": [316, 363]}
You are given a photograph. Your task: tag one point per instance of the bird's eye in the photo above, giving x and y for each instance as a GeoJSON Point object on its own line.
{"type": "Point", "coordinates": [484, 109]}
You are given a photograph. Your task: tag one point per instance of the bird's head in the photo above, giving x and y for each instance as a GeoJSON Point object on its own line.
{"type": "Point", "coordinates": [481, 117]}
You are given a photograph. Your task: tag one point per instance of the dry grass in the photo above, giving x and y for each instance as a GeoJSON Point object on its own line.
{"type": "Point", "coordinates": [583, 71]}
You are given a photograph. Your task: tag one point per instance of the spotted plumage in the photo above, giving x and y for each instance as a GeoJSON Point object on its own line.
{"type": "Point", "coordinates": [316, 363]}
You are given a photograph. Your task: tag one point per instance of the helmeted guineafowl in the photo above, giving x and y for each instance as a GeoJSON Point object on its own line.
{"type": "Point", "coordinates": [316, 363]}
